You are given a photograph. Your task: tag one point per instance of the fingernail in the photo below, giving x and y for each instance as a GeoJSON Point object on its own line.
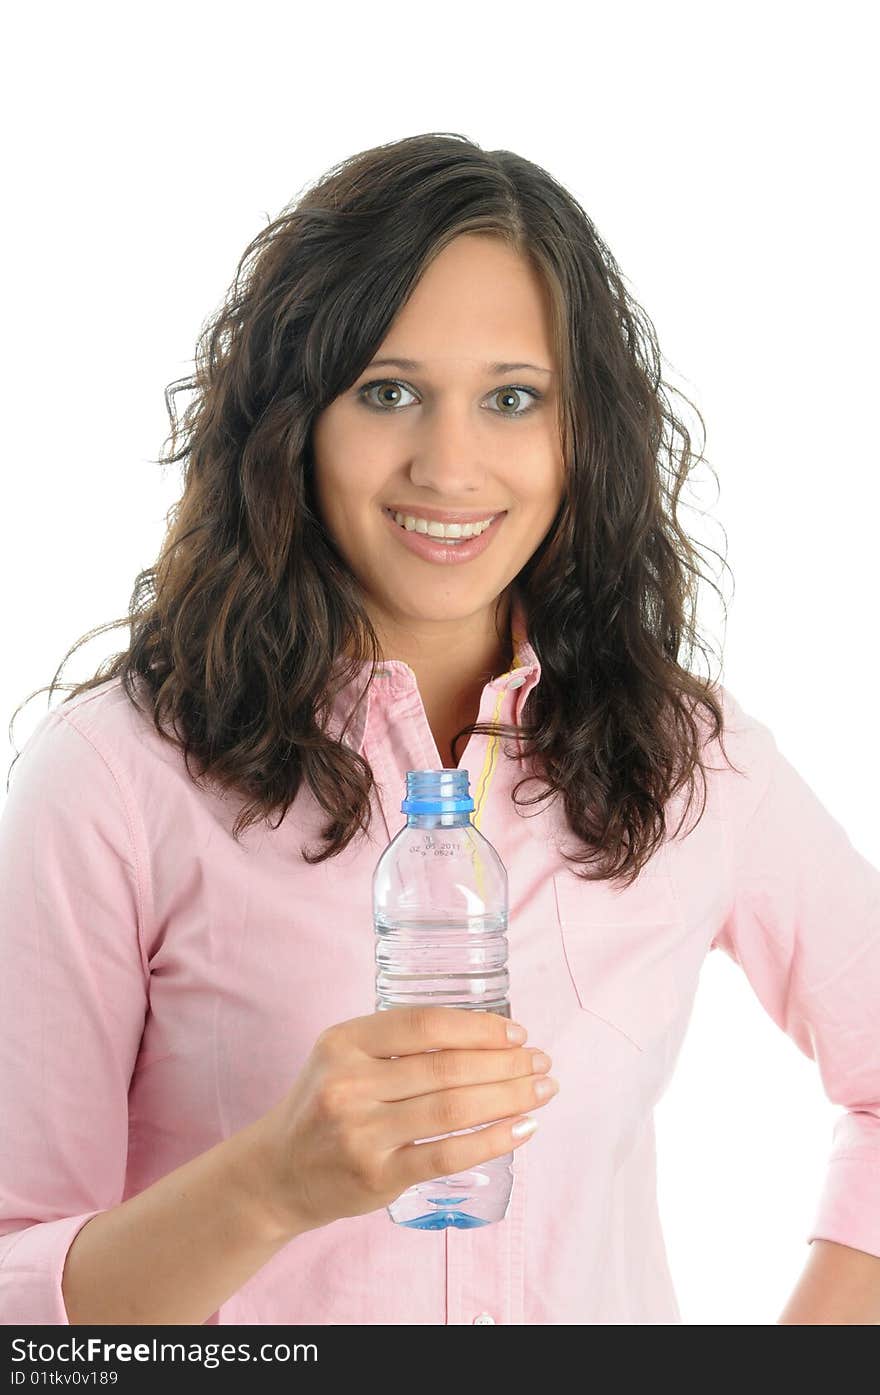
{"type": "Point", "coordinates": [515, 1032]}
{"type": "Point", "coordinates": [546, 1087]}
{"type": "Point", "coordinates": [524, 1128]}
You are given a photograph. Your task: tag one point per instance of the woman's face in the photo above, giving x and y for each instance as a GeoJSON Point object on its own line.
{"type": "Point", "coordinates": [447, 437]}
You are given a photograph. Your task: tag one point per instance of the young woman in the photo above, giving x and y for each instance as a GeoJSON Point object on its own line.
{"type": "Point", "coordinates": [428, 519]}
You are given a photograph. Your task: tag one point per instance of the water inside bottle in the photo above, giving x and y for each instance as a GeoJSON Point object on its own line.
{"type": "Point", "coordinates": [448, 963]}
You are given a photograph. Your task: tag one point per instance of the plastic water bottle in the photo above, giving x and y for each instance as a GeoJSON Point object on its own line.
{"type": "Point", "coordinates": [440, 918]}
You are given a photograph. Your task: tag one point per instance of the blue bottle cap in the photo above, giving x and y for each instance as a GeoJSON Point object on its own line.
{"type": "Point", "coordinates": [437, 792]}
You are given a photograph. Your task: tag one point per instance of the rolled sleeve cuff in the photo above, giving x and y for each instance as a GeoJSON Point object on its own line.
{"type": "Point", "coordinates": [849, 1207]}
{"type": "Point", "coordinates": [31, 1269]}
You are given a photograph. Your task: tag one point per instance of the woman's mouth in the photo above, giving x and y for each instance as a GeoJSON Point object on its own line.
{"type": "Point", "coordinates": [413, 533]}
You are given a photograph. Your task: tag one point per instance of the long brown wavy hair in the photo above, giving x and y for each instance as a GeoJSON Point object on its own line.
{"type": "Point", "coordinates": [250, 620]}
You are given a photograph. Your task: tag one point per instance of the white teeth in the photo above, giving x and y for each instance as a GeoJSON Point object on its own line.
{"type": "Point", "coordinates": [449, 532]}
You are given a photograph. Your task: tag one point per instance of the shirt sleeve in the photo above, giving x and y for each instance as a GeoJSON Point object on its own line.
{"type": "Point", "coordinates": [73, 999]}
{"type": "Point", "coordinates": [804, 926]}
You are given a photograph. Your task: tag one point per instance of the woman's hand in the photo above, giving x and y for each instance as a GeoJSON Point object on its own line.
{"type": "Point", "coordinates": [341, 1143]}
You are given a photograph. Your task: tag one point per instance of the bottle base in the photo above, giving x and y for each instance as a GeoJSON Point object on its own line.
{"type": "Point", "coordinates": [464, 1201]}
{"type": "Point", "coordinates": [442, 1220]}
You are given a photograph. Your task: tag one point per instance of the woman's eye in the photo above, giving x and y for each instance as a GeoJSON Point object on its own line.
{"type": "Point", "coordinates": [385, 384]}
{"type": "Point", "coordinates": [388, 403]}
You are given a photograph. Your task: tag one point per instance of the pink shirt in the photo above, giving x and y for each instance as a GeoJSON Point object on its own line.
{"type": "Point", "coordinates": [161, 986]}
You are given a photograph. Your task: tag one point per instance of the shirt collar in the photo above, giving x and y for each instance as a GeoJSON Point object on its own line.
{"type": "Point", "coordinates": [395, 679]}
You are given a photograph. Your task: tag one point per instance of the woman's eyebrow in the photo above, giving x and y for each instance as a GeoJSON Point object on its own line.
{"type": "Point", "coordinates": [489, 367]}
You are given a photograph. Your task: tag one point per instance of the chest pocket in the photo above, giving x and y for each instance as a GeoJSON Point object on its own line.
{"type": "Point", "coordinates": [620, 948]}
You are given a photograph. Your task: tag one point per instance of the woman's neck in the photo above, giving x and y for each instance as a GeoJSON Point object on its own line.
{"type": "Point", "coordinates": [452, 665]}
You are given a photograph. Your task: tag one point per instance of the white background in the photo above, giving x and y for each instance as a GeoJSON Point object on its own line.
{"type": "Point", "coordinates": [725, 154]}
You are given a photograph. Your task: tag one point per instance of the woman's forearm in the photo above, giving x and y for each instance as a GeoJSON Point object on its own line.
{"type": "Point", "coordinates": [839, 1285]}
{"type": "Point", "coordinates": [176, 1251]}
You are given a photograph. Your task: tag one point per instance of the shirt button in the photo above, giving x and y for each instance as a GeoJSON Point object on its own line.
{"type": "Point", "coordinates": [517, 681]}
{"type": "Point", "coordinates": [482, 1318]}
